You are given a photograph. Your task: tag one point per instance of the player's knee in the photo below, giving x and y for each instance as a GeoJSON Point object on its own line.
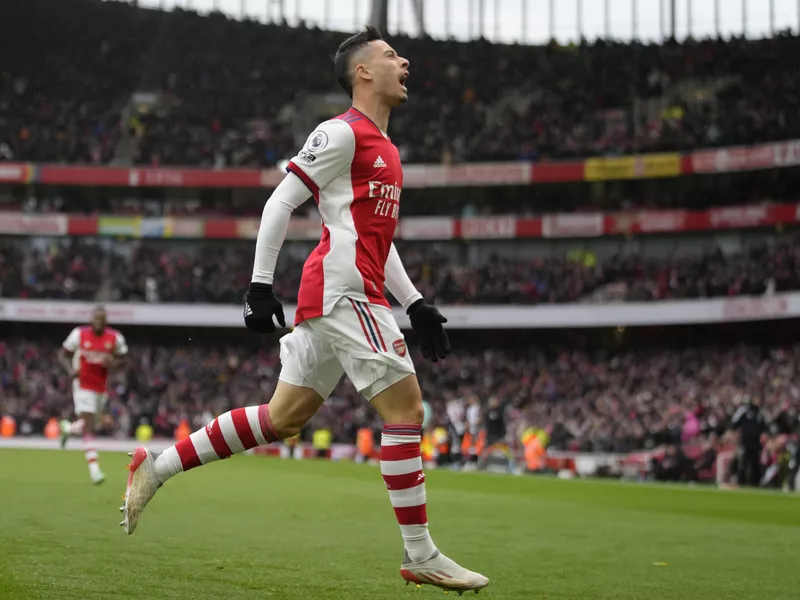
{"type": "Point", "coordinates": [411, 414]}
{"type": "Point", "coordinates": [286, 424]}
{"type": "Point", "coordinates": [416, 414]}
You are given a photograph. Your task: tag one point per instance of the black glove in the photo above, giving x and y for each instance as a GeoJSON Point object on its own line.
{"type": "Point", "coordinates": [260, 307]}
{"type": "Point", "coordinates": [426, 321]}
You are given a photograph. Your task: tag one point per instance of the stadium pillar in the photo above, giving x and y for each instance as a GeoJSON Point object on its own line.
{"type": "Point", "coordinates": [579, 17]}
{"type": "Point", "coordinates": [552, 19]}
{"type": "Point", "coordinates": [480, 19]}
{"type": "Point", "coordinates": [744, 18]}
{"type": "Point", "coordinates": [661, 18]}
{"type": "Point", "coordinates": [497, 20]}
{"type": "Point", "coordinates": [716, 18]}
{"type": "Point", "coordinates": [772, 17]}
{"type": "Point", "coordinates": [607, 19]}
{"type": "Point", "coordinates": [689, 18]}
{"type": "Point", "coordinates": [448, 12]}
{"type": "Point", "coordinates": [380, 15]}
{"type": "Point", "coordinates": [419, 14]}
{"type": "Point", "coordinates": [524, 10]}
{"type": "Point", "coordinates": [635, 20]}
{"type": "Point", "coordinates": [673, 22]}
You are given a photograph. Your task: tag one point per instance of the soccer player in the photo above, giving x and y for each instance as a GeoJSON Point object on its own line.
{"type": "Point", "coordinates": [87, 355]}
{"type": "Point", "coordinates": [343, 322]}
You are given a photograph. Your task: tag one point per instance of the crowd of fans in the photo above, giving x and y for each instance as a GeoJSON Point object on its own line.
{"type": "Point", "coordinates": [597, 400]}
{"type": "Point", "coordinates": [219, 273]}
{"type": "Point", "coordinates": [229, 97]}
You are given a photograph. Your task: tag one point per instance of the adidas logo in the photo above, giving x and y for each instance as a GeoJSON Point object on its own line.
{"type": "Point", "coordinates": [379, 164]}
{"type": "Point", "coordinates": [247, 310]}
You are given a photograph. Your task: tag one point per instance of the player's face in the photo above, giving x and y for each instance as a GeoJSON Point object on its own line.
{"type": "Point", "coordinates": [99, 320]}
{"type": "Point", "coordinates": [389, 71]}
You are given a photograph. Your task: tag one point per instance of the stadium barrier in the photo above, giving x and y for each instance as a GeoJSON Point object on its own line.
{"type": "Point", "coordinates": [656, 165]}
{"type": "Point", "coordinates": [581, 464]}
{"type": "Point", "coordinates": [544, 316]}
{"type": "Point", "coordinates": [565, 225]}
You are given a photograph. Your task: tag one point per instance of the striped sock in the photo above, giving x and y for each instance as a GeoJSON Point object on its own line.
{"type": "Point", "coordinates": [89, 450]}
{"type": "Point", "coordinates": [401, 467]}
{"type": "Point", "coordinates": [233, 432]}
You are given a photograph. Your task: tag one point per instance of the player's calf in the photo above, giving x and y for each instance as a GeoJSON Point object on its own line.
{"type": "Point", "coordinates": [242, 429]}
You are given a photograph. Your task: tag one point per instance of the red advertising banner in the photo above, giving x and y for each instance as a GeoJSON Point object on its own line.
{"type": "Point", "coordinates": [718, 160]}
{"type": "Point", "coordinates": [572, 225]}
{"type": "Point", "coordinates": [725, 160]}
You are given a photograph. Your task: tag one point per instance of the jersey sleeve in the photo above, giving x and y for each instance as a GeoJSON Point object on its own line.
{"type": "Point", "coordinates": [73, 341]}
{"type": "Point", "coordinates": [327, 153]}
{"type": "Point", "coordinates": [120, 345]}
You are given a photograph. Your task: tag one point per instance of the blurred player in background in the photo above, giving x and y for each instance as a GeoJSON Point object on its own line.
{"type": "Point", "coordinates": [343, 322]}
{"type": "Point", "coordinates": [88, 353]}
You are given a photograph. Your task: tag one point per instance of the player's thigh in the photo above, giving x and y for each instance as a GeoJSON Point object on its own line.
{"type": "Point", "coordinates": [291, 407]}
{"type": "Point", "coordinates": [401, 402]}
{"type": "Point", "coordinates": [369, 345]}
{"type": "Point", "coordinates": [308, 361]}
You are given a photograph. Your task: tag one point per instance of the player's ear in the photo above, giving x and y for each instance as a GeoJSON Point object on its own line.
{"type": "Point", "coordinates": [363, 72]}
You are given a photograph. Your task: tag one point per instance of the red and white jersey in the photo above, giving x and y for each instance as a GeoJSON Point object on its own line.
{"type": "Point", "coordinates": [90, 350]}
{"type": "Point", "coordinates": [354, 173]}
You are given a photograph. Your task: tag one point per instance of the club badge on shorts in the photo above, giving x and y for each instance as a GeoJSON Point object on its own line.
{"type": "Point", "coordinates": [400, 348]}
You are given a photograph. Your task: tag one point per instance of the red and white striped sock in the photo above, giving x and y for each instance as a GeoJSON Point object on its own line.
{"type": "Point", "coordinates": [233, 432]}
{"type": "Point", "coordinates": [89, 451]}
{"type": "Point", "coordinates": [401, 467]}
{"type": "Point", "coordinates": [76, 427]}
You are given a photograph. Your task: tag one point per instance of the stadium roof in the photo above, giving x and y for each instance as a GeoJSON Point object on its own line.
{"type": "Point", "coordinates": [528, 21]}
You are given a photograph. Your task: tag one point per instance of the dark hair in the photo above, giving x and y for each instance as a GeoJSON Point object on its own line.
{"type": "Point", "coordinates": [341, 62]}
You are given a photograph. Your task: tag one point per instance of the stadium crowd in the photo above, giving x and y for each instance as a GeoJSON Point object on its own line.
{"type": "Point", "coordinates": [219, 273]}
{"type": "Point", "coordinates": [225, 101]}
{"type": "Point", "coordinates": [589, 400]}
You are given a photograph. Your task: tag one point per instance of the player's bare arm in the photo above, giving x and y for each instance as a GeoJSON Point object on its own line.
{"type": "Point", "coordinates": [65, 358]}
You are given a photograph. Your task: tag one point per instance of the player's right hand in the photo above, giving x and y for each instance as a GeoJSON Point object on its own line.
{"type": "Point", "coordinates": [260, 307]}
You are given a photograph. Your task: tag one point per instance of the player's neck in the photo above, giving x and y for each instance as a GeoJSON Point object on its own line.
{"type": "Point", "coordinates": [375, 111]}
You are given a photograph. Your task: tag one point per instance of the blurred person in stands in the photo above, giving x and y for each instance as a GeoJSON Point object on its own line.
{"type": "Point", "coordinates": [749, 421]}
{"type": "Point", "coordinates": [456, 415]}
{"type": "Point", "coordinates": [495, 421]}
{"type": "Point", "coordinates": [87, 355]}
{"type": "Point", "coordinates": [673, 466]}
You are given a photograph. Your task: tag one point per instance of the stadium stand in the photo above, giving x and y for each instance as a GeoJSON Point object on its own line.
{"type": "Point", "coordinates": [125, 87]}
{"type": "Point", "coordinates": [219, 272]}
{"type": "Point", "coordinates": [473, 101]}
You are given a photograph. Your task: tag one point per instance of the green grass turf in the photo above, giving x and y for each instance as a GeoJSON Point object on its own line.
{"type": "Point", "coordinates": [253, 527]}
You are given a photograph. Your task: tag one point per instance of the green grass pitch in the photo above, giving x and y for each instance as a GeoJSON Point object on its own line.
{"type": "Point", "coordinates": [253, 527]}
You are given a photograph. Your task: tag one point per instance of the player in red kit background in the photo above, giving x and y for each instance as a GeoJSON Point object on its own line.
{"type": "Point", "coordinates": [343, 323]}
{"type": "Point", "coordinates": [87, 355]}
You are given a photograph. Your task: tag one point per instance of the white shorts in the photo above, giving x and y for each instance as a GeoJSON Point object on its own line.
{"type": "Point", "coordinates": [359, 339]}
{"type": "Point", "coordinates": [87, 401]}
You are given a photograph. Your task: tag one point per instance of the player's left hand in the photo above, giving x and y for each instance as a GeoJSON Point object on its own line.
{"type": "Point", "coordinates": [427, 322]}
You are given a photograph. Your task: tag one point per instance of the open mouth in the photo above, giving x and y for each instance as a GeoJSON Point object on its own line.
{"type": "Point", "coordinates": [403, 79]}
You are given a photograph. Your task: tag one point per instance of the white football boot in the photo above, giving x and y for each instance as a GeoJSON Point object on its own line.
{"type": "Point", "coordinates": [142, 486]}
{"type": "Point", "coordinates": [443, 573]}
{"type": "Point", "coordinates": [96, 474]}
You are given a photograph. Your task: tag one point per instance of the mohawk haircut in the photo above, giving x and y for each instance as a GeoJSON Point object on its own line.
{"type": "Point", "coordinates": [341, 62]}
